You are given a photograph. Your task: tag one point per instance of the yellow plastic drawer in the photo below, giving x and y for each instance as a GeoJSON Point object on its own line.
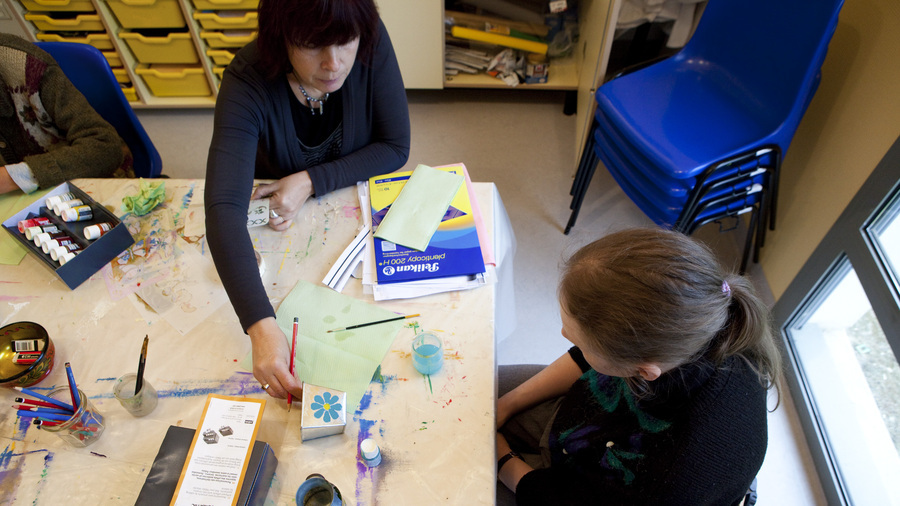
{"type": "Point", "coordinates": [228, 38]}
{"type": "Point", "coordinates": [99, 40]}
{"type": "Point", "coordinates": [147, 13]}
{"type": "Point", "coordinates": [220, 56]}
{"type": "Point", "coordinates": [130, 93]}
{"type": "Point", "coordinates": [173, 48]}
{"type": "Point", "coordinates": [228, 20]}
{"type": "Point", "coordinates": [174, 81]}
{"type": "Point", "coordinates": [80, 23]}
{"type": "Point", "coordinates": [219, 72]}
{"type": "Point", "coordinates": [59, 5]}
{"type": "Point", "coordinates": [210, 5]}
{"type": "Point", "coordinates": [113, 58]}
{"type": "Point", "coordinates": [121, 75]}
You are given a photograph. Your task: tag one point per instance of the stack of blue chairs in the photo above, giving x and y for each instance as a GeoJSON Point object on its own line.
{"type": "Point", "coordinates": [699, 137]}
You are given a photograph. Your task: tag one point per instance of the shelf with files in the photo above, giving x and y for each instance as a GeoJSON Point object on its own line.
{"type": "Point", "coordinates": [563, 76]}
{"type": "Point", "coordinates": [578, 71]}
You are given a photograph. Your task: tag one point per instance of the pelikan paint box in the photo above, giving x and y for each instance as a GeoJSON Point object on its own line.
{"type": "Point", "coordinates": [324, 412]}
{"type": "Point", "coordinates": [93, 255]}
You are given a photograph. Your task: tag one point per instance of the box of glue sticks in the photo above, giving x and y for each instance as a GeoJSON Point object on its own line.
{"type": "Point", "coordinates": [75, 242]}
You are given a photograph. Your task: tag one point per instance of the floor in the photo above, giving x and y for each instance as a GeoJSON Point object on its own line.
{"type": "Point", "coordinates": [522, 141]}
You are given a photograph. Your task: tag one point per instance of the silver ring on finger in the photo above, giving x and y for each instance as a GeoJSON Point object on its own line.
{"type": "Point", "coordinates": [273, 214]}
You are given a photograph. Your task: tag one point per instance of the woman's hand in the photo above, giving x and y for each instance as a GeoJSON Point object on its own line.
{"type": "Point", "coordinates": [286, 197]}
{"type": "Point", "coordinates": [271, 359]}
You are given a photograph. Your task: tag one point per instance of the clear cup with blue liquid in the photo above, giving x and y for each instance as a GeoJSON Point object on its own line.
{"type": "Point", "coordinates": [427, 353]}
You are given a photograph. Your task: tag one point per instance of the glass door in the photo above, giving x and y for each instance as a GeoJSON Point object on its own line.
{"type": "Point", "coordinates": [840, 321]}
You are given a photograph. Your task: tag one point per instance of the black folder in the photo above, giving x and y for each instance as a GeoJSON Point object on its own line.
{"type": "Point", "coordinates": [159, 487]}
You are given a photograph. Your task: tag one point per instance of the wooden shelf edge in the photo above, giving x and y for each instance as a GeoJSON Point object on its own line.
{"type": "Point", "coordinates": [563, 76]}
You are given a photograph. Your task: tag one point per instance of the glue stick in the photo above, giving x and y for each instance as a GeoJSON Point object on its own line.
{"type": "Point", "coordinates": [65, 257]}
{"type": "Point", "coordinates": [59, 207]}
{"type": "Point", "coordinates": [56, 242]}
{"type": "Point", "coordinates": [61, 251]}
{"type": "Point", "coordinates": [56, 199]}
{"type": "Point", "coordinates": [43, 237]}
{"type": "Point", "coordinates": [78, 213]}
{"type": "Point", "coordinates": [30, 232]}
{"type": "Point", "coordinates": [40, 221]}
{"type": "Point", "coordinates": [92, 232]}
{"type": "Point", "coordinates": [371, 454]}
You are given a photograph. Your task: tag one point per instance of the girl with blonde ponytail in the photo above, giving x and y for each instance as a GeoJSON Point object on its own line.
{"type": "Point", "coordinates": [662, 398]}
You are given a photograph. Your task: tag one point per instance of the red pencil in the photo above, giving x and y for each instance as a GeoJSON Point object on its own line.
{"type": "Point", "coordinates": [293, 348]}
{"type": "Point", "coordinates": [36, 403]}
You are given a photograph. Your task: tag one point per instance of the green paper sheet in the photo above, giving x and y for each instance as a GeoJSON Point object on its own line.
{"type": "Point", "coordinates": [149, 196]}
{"type": "Point", "coordinates": [11, 252]}
{"type": "Point", "coordinates": [416, 213]}
{"type": "Point", "coordinates": [344, 360]}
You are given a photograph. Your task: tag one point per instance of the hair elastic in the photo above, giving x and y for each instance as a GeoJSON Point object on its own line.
{"type": "Point", "coordinates": [726, 289]}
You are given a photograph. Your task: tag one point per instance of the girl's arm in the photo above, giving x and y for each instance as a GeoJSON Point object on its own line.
{"type": "Point", "coordinates": [553, 381]}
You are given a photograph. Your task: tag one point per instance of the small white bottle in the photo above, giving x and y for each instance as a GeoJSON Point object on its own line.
{"type": "Point", "coordinates": [371, 454]}
{"type": "Point", "coordinates": [92, 232]}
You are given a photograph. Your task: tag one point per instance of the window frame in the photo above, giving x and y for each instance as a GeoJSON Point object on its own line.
{"type": "Point", "coordinates": [849, 243]}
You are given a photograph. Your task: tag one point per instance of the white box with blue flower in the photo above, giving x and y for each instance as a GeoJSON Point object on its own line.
{"type": "Point", "coordinates": [324, 412]}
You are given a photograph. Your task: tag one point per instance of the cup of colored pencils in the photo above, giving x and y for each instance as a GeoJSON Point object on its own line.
{"type": "Point", "coordinates": [77, 423]}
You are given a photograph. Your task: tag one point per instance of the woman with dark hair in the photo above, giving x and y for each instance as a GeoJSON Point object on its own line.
{"type": "Point", "coordinates": [316, 103]}
{"type": "Point", "coordinates": [662, 398]}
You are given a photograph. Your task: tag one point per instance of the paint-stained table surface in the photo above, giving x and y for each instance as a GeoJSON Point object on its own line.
{"type": "Point", "coordinates": [437, 438]}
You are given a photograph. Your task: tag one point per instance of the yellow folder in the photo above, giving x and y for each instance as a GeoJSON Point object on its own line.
{"type": "Point", "coordinates": [500, 40]}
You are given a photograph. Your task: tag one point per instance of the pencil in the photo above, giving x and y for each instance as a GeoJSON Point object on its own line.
{"type": "Point", "coordinates": [33, 402]}
{"type": "Point", "coordinates": [45, 416]}
{"type": "Point", "coordinates": [139, 382]}
{"type": "Point", "coordinates": [52, 411]}
{"type": "Point", "coordinates": [45, 398]}
{"type": "Point", "coordinates": [293, 348]}
{"type": "Point", "coordinates": [376, 323]}
{"type": "Point", "coordinates": [73, 388]}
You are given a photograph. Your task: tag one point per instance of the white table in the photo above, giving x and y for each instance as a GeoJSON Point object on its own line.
{"type": "Point", "coordinates": [437, 440]}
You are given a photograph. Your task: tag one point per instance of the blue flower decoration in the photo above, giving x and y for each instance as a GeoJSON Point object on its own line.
{"type": "Point", "coordinates": [325, 406]}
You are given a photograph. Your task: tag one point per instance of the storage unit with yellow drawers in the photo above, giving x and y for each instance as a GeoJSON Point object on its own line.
{"type": "Point", "coordinates": [163, 52]}
{"type": "Point", "coordinates": [172, 47]}
{"type": "Point", "coordinates": [73, 21]}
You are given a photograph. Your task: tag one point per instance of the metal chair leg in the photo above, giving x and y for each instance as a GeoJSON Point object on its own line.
{"type": "Point", "coordinates": [577, 200]}
{"type": "Point", "coordinates": [749, 240]}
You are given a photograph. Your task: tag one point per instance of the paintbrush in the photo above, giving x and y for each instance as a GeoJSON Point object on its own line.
{"type": "Point", "coordinates": [139, 382]}
{"type": "Point", "coordinates": [375, 323]}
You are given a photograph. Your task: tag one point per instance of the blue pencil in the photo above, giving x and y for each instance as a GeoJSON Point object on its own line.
{"type": "Point", "coordinates": [45, 398]}
{"type": "Point", "coordinates": [51, 411]}
{"type": "Point", "coordinates": [73, 389]}
{"type": "Point", "coordinates": [45, 416]}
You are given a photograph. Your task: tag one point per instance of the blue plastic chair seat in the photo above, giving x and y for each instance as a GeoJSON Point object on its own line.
{"type": "Point", "coordinates": [724, 202]}
{"type": "Point", "coordinates": [89, 71]}
{"type": "Point", "coordinates": [744, 79]}
{"type": "Point", "coordinates": [661, 185]}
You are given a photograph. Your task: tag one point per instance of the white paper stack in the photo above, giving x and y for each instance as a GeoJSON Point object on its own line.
{"type": "Point", "coordinates": [361, 252]}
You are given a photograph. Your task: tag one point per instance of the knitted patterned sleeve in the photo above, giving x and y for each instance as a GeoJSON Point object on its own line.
{"type": "Point", "coordinates": [66, 137]}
